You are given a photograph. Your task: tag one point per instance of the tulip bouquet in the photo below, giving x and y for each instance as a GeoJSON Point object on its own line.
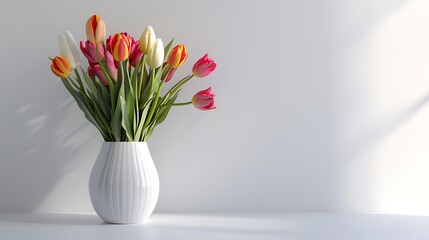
{"type": "Point", "coordinates": [120, 93]}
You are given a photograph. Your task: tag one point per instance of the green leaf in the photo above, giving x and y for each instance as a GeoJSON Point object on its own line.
{"type": "Point", "coordinates": [167, 48]}
{"type": "Point", "coordinates": [130, 104]}
{"type": "Point", "coordinates": [149, 132]}
{"type": "Point", "coordinates": [143, 78]}
{"type": "Point", "coordinates": [101, 88]}
{"type": "Point", "coordinates": [155, 81]}
{"type": "Point", "coordinates": [89, 82]}
{"type": "Point", "coordinates": [126, 120]}
{"type": "Point", "coordinates": [126, 79]}
{"type": "Point", "coordinates": [104, 106]}
{"type": "Point", "coordinates": [163, 112]}
{"type": "Point", "coordinates": [99, 112]}
{"type": "Point", "coordinates": [139, 131]}
{"type": "Point", "coordinates": [147, 94]}
{"type": "Point", "coordinates": [116, 123]}
{"type": "Point", "coordinates": [119, 85]}
{"type": "Point", "coordinates": [81, 104]}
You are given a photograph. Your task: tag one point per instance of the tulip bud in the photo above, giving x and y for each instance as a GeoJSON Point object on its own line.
{"type": "Point", "coordinates": [95, 29]}
{"type": "Point", "coordinates": [204, 67]}
{"type": "Point", "coordinates": [204, 100]}
{"type": "Point", "coordinates": [60, 67]}
{"type": "Point", "coordinates": [89, 51]}
{"type": "Point", "coordinates": [120, 47]}
{"type": "Point", "coordinates": [147, 40]}
{"type": "Point", "coordinates": [111, 66]}
{"type": "Point", "coordinates": [69, 49]}
{"type": "Point", "coordinates": [168, 73]}
{"type": "Point", "coordinates": [155, 56]}
{"type": "Point", "coordinates": [177, 56]}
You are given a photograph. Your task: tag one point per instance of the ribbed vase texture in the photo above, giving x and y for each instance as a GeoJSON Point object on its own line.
{"type": "Point", "coordinates": [124, 183]}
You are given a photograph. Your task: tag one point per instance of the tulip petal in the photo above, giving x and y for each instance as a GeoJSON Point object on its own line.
{"type": "Point", "coordinates": [71, 43]}
{"type": "Point", "coordinates": [65, 51]}
{"type": "Point", "coordinates": [56, 71]}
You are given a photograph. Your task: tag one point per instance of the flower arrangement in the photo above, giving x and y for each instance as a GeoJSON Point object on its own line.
{"type": "Point", "coordinates": [120, 93]}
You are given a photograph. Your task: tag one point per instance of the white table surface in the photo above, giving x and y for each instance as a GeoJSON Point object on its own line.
{"type": "Point", "coordinates": [285, 226]}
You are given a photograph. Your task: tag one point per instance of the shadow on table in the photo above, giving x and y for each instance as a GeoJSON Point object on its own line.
{"type": "Point", "coordinates": [165, 224]}
{"type": "Point", "coordinates": [52, 218]}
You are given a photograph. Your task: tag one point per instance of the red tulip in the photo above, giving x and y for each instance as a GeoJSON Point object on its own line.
{"type": "Point", "coordinates": [88, 49]}
{"type": "Point", "coordinates": [204, 100]}
{"type": "Point", "coordinates": [204, 67]}
{"type": "Point", "coordinates": [60, 67]}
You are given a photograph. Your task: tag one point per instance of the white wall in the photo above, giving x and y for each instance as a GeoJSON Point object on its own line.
{"type": "Point", "coordinates": [322, 106]}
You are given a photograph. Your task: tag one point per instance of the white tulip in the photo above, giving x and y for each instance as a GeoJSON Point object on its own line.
{"type": "Point", "coordinates": [155, 56]}
{"type": "Point", "coordinates": [147, 40]}
{"type": "Point", "coordinates": [69, 49]}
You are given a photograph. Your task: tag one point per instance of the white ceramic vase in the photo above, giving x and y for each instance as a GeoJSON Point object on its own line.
{"type": "Point", "coordinates": [124, 183]}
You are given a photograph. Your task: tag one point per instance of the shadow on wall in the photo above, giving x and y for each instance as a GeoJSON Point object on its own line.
{"type": "Point", "coordinates": [285, 155]}
{"type": "Point", "coordinates": [381, 129]}
{"type": "Point", "coordinates": [386, 126]}
{"type": "Point", "coordinates": [41, 145]}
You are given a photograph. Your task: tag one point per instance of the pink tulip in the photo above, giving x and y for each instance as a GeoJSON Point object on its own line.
{"type": "Point", "coordinates": [88, 49]}
{"type": "Point", "coordinates": [111, 65]}
{"type": "Point", "coordinates": [135, 53]}
{"type": "Point", "coordinates": [204, 67]}
{"type": "Point", "coordinates": [95, 70]}
{"type": "Point", "coordinates": [170, 74]}
{"type": "Point", "coordinates": [108, 41]}
{"type": "Point", "coordinates": [204, 100]}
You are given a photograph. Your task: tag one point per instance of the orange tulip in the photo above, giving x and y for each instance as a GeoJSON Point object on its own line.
{"type": "Point", "coordinates": [60, 67]}
{"type": "Point", "coordinates": [120, 46]}
{"type": "Point", "coordinates": [95, 29]}
{"type": "Point", "coordinates": [177, 56]}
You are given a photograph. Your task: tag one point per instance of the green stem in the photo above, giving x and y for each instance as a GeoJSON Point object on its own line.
{"type": "Point", "coordinates": [178, 85]}
{"type": "Point", "coordinates": [176, 104]}
{"type": "Point", "coordinates": [72, 82]}
{"type": "Point", "coordinates": [82, 88]}
{"type": "Point", "coordinates": [107, 75]}
{"type": "Point", "coordinates": [154, 103]}
{"type": "Point", "coordinates": [79, 80]}
{"type": "Point", "coordinates": [136, 70]}
{"type": "Point", "coordinates": [82, 91]}
{"type": "Point", "coordinates": [142, 68]}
